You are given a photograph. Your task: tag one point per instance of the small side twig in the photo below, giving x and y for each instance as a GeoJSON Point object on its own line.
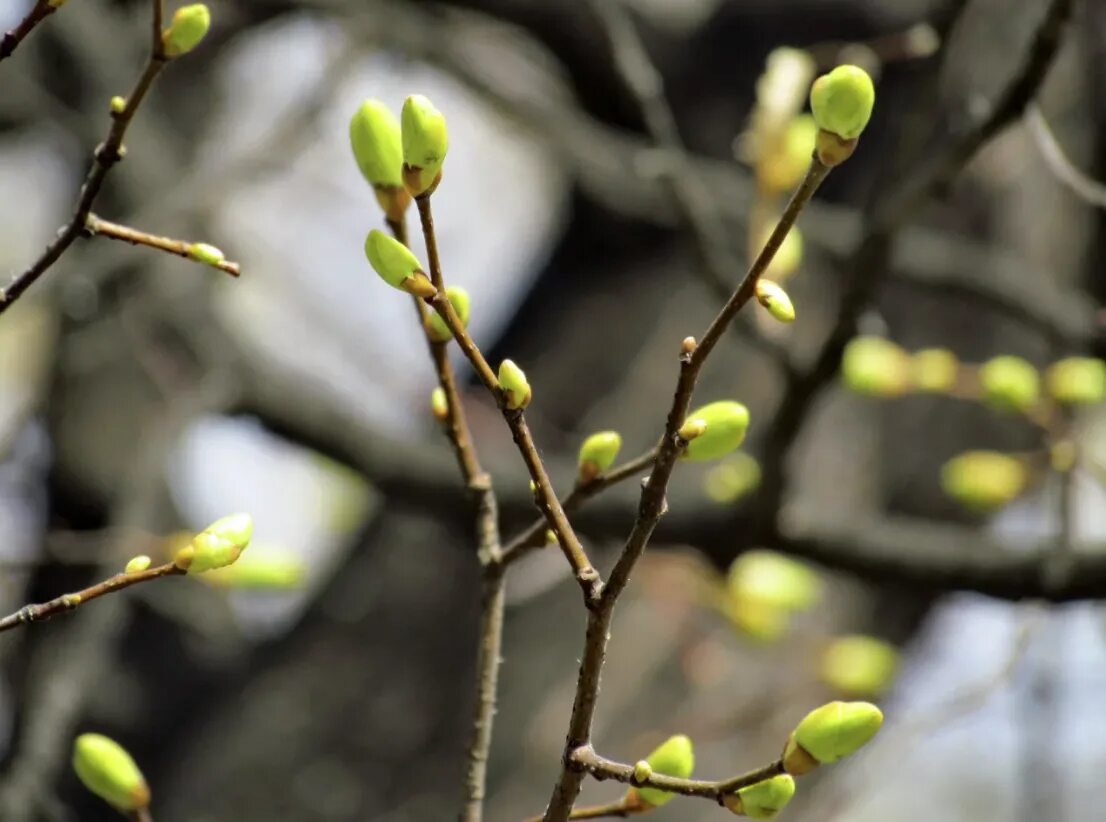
{"type": "Point", "coordinates": [583, 570]}
{"type": "Point", "coordinates": [1088, 189]}
{"type": "Point", "coordinates": [99, 227]}
{"type": "Point", "coordinates": [11, 39]}
{"type": "Point", "coordinates": [69, 602]}
{"type": "Point", "coordinates": [106, 155]}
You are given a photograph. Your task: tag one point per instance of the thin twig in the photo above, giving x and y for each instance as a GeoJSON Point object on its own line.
{"type": "Point", "coordinates": [493, 583]}
{"type": "Point", "coordinates": [104, 158]}
{"type": "Point", "coordinates": [534, 536]}
{"type": "Point", "coordinates": [11, 39]}
{"type": "Point", "coordinates": [652, 503]}
{"type": "Point", "coordinates": [1088, 189]}
{"type": "Point", "coordinates": [619, 809]}
{"type": "Point", "coordinates": [545, 496]}
{"type": "Point", "coordinates": [96, 226]}
{"type": "Point", "coordinates": [69, 602]}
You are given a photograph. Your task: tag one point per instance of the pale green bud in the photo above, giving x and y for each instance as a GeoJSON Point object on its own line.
{"type": "Point", "coordinates": [188, 28]}
{"type": "Point", "coordinates": [1077, 380]}
{"type": "Point", "coordinates": [726, 422]}
{"type": "Point", "coordinates": [934, 369]}
{"type": "Point", "coordinates": [118, 104]}
{"type": "Point", "coordinates": [984, 480]}
{"type": "Point", "coordinates": [374, 137]}
{"type": "Point", "coordinates": [774, 579]}
{"type": "Point", "coordinates": [108, 771]}
{"type": "Point", "coordinates": [675, 757]}
{"type": "Point", "coordinates": [859, 665]}
{"type": "Point", "coordinates": [439, 404]}
{"type": "Point", "coordinates": [598, 453]}
{"type": "Point", "coordinates": [876, 367]}
{"type": "Point", "coordinates": [764, 800]}
{"type": "Point", "coordinates": [435, 325]}
{"type": "Point", "coordinates": [842, 101]}
{"type": "Point", "coordinates": [516, 389]}
{"type": "Point", "coordinates": [218, 545]}
{"type": "Point", "coordinates": [396, 265]}
{"type": "Point", "coordinates": [1009, 383]}
{"type": "Point", "coordinates": [830, 733]}
{"type": "Point", "coordinates": [642, 770]}
{"type": "Point", "coordinates": [425, 143]}
{"type": "Point", "coordinates": [137, 565]}
{"type": "Point", "coordinates": [206, 254]}
{"type": "Point", "coordinates": [776, 300]}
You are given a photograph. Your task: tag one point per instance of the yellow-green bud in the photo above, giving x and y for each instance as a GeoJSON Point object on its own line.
{"type": "Point", "coordinates": [773, 579]}
{"type": "Point", "coordinates": [784, 164]}
{"type": "Point", "coordinates": [842, 101]}
{"type": "Point", "coordinates": [375, 139]}
{"type": "Point", "coordinates": [934, 369]}
{"type": "Point", "coordinates": [218, 545]}
{"type": "Point", "coordinates": [775, 299]}
{"type": "Point", "coordinates": [830, 733]}
{"type": "Point", "coordinates": [439, 404]}
{"type": "Point", "coordinates": [726, 423]}
{"type": "Point", "coordinates": [187, 29]}
{"type": "Point", "coordinates": [675, 757]}
{"type": "Point", "coordinates": [859, 665]}
{"type": "Point", "coordinates": [875, 367]}
{"type": "Point", "coordinates": [108, 771]}
{"type": "Point", "coordinates": [642, 770]}
{"type": "Point", "coordinates": [1009, 383]}
{"type": "Point", "coordinates": [425, 143]}
{"type": "Point", "coordinates": [984, 480]}
{"type": "Point", "coordinates": [206, 254]}
{"type": "Point", "coordinates": [435, 325]}
{"type": "Point", "coordinates": [261, 571]}
{"type": "Point", "coordinates": [137, 565]}
{"type": "Point", "coordinates": [1077, 380]}
{"type": "Point", "coordinates": [118, 104]}
{"type": "Point", "coordinates": [516, 390]}
{"type": "Point", "coordinates": [762, 800]}
{"type": "Point", "coordinates": [598, 453]}
{"type": "Point", "coordinates": [733, 478]}
{"type": "Point", "coordinates": [396, 265]}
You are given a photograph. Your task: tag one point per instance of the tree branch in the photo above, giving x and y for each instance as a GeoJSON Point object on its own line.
{"type": "Point", "coordinates": [97, 227]}
{"type": "Point", "coordinates": [11, 39]}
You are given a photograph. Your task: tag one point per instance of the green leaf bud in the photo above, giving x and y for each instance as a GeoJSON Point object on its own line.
{"type": "Point", "coordinates": [118, 104]}
{"type": "Point", "coordinates": [396, 265]}
{"type": "Point", "coordinates": [374, 137]}
{"type": "Point", "coordinates": [842, 101]}
{"type": "Point", "coordinates": [774, 579]}
{"type": "Point", "coordinates": [762, 800]}
{"type": "Point", "coordinates": [187, 29]}
{"type": "Point", "coordinates": [435, 326]}
{"type": "Point", "coordinates": [675, 757]}
{"type": "Point", "coordinates": [733, 478]}
{"type": "Point", "coordinates": [108, 771]}
{"type": "Point", "coordinates": [984, 480]}
{"type": "Point", "coordinates": [1077, 380]}
{"type": "Point", "coordinates": [859, 665]}
{"type": "Point", "coordinates": [642, 770]}
{"type": "Point", "coordinates": [830, 733]}
{"type": "Point", "coordinates": [512, 380]}
{"type": "Point", "coordinates": [934, 370]}
{"type": "Point", "coordinates": [137, 565]}
{"type": "Point", "coordinates": [775, 299]}
{"type": "Point", "coordinates": [875, 367]}
{"type": "Point", "coordinates": [218, 545]}
{"type": "Point", "coordinates": [439, 404]}
{"type": "Point", "coordinates": [598, 453]}
{"type": "Point", "coordinates": [1009, 383]}
{"type": "Point", "coordinates": [425, 143]}
{"type": "Point", "coordinates": [206, 254]}
{"type": "Point", "coordinates": [726, 422]}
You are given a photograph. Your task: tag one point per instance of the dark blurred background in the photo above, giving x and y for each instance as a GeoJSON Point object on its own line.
{"type": "Point", "coordinates": [141, 395]}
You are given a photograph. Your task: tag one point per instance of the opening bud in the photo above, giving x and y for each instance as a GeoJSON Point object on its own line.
{"type": "Point", "coordinates": [675, 757]}
{"type": "Point", "coordinates": [726, 422]}
{"type": "Point", "coordinates": [842, 101]}
{"type": "Point", "coordinates": [218, 545]}
{"type": "Point", "coordinates": [188, 27]}
{"type": "Point", "coordinates": [512, 381]}
{"type": "Point", "coordinates": [425, 143]}
{"type": "Point", "coordinates": [598, 453]}
{"type": "Point", "coordinates": [764, 800]}
{"type": "Point", "coordinates": [830, 733]}
{"type": "Point", "coordinates": [396, 265]}
{"type": "Point", "coordinates": [108, 771]}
